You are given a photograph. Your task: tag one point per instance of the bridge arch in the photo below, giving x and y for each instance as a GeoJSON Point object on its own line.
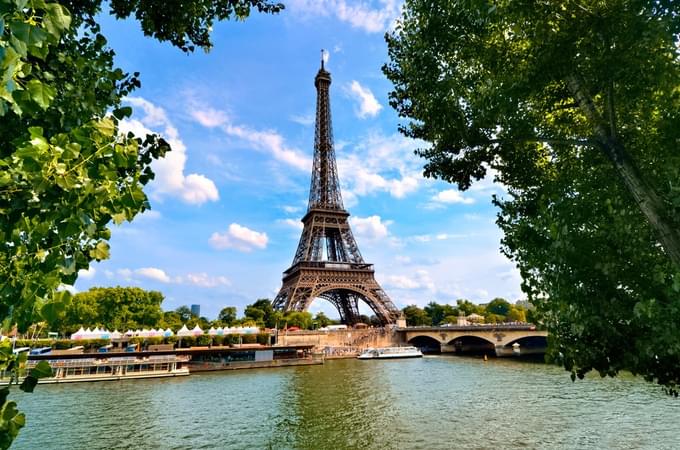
{"type": "Point", "coordinates": [528, 345]}
{"type": "Point", "coordinates": [426, 344]}
{"type": "Point", "coordinates": [472, 345]}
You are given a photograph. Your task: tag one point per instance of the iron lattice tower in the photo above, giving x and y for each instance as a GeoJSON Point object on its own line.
{"type": "Point", "coordinates": [327, 262]}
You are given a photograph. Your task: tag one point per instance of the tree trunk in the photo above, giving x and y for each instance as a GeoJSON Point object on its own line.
{"type": "Point", "coordinates": [642, 192]}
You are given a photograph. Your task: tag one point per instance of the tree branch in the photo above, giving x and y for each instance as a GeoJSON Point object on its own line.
{"type": "Point", "coordinates": [643, 193]}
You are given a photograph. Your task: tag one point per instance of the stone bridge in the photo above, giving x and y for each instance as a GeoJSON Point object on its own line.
{"type": "Point", "coordinates": [503, 339]}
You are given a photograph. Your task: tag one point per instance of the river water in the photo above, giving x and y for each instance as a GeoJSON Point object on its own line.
{"type": "Point", "coordinates": [430, 403]}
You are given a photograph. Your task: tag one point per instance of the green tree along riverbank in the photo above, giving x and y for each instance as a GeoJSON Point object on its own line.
{"type": "Point", "coordinates": [574, 107]}
{"type": "Point", "coordinates": [66, 172]}
{"type": "Point", "coordinates": [125, 308]}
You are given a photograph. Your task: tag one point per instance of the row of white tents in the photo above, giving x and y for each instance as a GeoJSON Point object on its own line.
{"type": "Point", "coordinates": [183, 332]}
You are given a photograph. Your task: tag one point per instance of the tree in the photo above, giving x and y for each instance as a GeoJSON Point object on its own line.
{"type": "Point", "coordinates": [416, 316]}
{"type": "Point", "coordinates": [322, 320]}
{"type": "Point", "coordinates": [185, 314]}
{"type": "Point", "coordinates": [498, 306]}
{"type": "Point", "coordinates": [65, 170]}
{"type": "Point", "coordinates": [516, 314]}
{"type": "Point", "coordinates": [227, 315]}
{"type": "Point", "coordinates": [575, 108]}
{"type": "Point", "coordinates": [300, 319]}
{"type": "Point", "coordinates": [262, 312]}
{"type": "Point", "coordinates": [438, 312]}
{"type": "Point", "coordinates": [467, 307]}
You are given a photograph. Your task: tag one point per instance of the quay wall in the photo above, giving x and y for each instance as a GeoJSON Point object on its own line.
{"type": "Point", "coordinates": [360, 339]}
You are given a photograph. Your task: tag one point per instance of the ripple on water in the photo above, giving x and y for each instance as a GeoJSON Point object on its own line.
{"type": "Point", "coordinates": [431, 403]}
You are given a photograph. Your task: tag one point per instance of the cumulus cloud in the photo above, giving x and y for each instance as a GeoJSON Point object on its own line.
{"type": "Point", "coordinates": [170, 180]}
{"type": "Point", "coordinates": [370, 228]}
{"type": "Point", "coordinates": [239, 238]}
{"type": "Point", "coordinates": [381, 164]}
{"type": "Point", "coordinates": [87, 273]}
{"type": "Point", "coordinates": [450, 196]}
{"type": "Point", "coordinates": [153, 273]}
{"type": "Point", "coordinates": [368, 104]}
{"type": "Point", "coordinates": [369, 16]}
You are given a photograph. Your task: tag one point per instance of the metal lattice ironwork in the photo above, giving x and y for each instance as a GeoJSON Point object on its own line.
{"type": "Point", "coordinates": [327, 262]}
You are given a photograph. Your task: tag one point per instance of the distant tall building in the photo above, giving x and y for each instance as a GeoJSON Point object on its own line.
{"type": "Point", "coordinates": [196, 310]}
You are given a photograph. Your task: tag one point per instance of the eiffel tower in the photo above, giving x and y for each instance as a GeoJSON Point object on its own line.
{"type": "Point", "coordinates": [327, 262]}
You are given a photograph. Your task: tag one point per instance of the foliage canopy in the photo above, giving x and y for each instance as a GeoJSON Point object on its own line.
{"type": "Point", "coordinates": [65, 170]}
{"type": "Point", "coordinates": [574, 106]}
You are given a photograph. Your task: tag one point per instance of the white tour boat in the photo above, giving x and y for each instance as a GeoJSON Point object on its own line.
{"type": "Point", "coordinates": [390, 353]}
{"type": "Point", "coordinates": [114, 368]}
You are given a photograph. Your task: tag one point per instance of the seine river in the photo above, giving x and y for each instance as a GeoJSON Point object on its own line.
{"type": "Point", "coordinates": [430, 403]}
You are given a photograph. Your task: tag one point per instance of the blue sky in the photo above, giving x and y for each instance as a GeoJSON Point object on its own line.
{"type": "Point", "coordinates": [227, 201]}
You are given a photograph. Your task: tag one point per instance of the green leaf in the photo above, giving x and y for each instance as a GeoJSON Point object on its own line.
{"type": "Point", "coordinates": [101, 251]}
{"type": "Point", "coordinates": [105, 126]}
{"type": "Point", "coordinates": [122, 112]}
{"type": "Point", "coordinates": [28, 384]}
{"type": "Point", "coordinates": [4, 393]}
{"type": "Point", "coordinates": [57, 19]}
{"type": "Point", "coordinates": [51, 311]}
{"type": "Point", "coordinates": [42, 370]}
{"type": "Point", "coordinates": [41, 93]}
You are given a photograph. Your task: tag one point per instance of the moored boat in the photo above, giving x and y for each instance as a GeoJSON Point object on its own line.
{"type": "Point", "coordinates": [390, 353]}
{"type": "Point", "coordinates": [114, 368]}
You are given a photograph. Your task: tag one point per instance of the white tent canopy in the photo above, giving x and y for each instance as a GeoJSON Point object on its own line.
{"type": "Point", "coordinates": [184, 331]}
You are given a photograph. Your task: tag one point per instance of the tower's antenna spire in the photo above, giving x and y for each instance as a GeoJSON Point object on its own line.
{"type": "Point", "coordinates": [322, 50]}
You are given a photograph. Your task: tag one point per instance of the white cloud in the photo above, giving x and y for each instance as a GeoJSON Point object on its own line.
{"type": "Point", "coordinates": [126, 274]}
{"type": "Point", "coordinates": [170, 178]}
{"type": "Point", "coordinates": [292, 209]}
{"type": "Point", "coordinates": [306, 120]}
{"type": "Point", "coordinates": [239, 238]}
{"type": "Point", "coordinates": [370, 228]}
{"type": "Point", "coordinates": [369, 16]}
{"type": "Point", "coordinates": [292, 223]}
{"type": "Point", "coordinates": [437, 237]}
{"type": "Point", "coordinates": [204, 280]}
{"type": "Point", "coordinates": [201, 279]}
{"type": "Point", "coordinates": [450, 196]}
{"type": "Point", "coordinates": [209, 117]}
{"type": "Point", "coordinates": [419, 280]}
{"type": "Point", "coordinates": [87, 273]}
{"type": "Point", "coordinates": [264, 140]}
{"type": "Point", "coordinates": [153, 273]}
{"type": "Point", "coordinates": [381, 164]}
{"type": "Point", "coordinates": [368, 104]}
{"type": "Point", "coordinates": [273, 143]}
